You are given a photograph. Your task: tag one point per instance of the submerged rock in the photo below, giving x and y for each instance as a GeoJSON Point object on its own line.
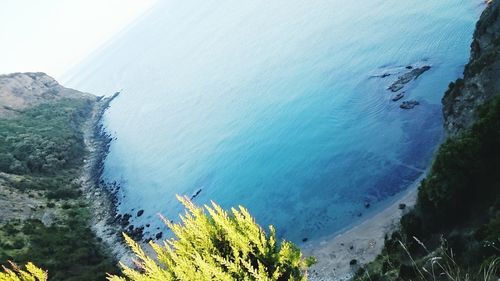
{"type": "Point", "coordinates": [140, 212]}
{"type": "Point", "coordinates": [409, 104]}
{"type": "Point", "coordinates": [398, 96]}
{"type": "Point", "coordinates": [196, 194]}
{"type": "Point", "coordinates": [408, 77]}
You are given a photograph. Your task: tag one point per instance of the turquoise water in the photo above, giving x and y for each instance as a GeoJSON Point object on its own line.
{"type": "Point", "coordinates": [273, 105]}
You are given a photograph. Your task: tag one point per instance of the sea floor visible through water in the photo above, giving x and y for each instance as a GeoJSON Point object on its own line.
{"type": "Point", "coordinates": [285, 107]}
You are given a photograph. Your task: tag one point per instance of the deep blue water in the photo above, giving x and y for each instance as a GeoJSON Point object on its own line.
{"type": "Point", "coordinates": [273, 105]}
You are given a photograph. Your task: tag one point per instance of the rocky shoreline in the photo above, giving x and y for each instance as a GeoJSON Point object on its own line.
{"type": "Point", "coordinates": [101, 197]}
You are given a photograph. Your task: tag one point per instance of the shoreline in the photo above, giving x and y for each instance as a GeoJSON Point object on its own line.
{"type": "Point", "coordinates": [102, 200]}
{"type": "Point", "coordinates": [362, 242]}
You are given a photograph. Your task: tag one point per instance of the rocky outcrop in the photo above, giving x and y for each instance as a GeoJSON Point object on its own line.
{"type": "Point", "coordinates": [410, 104]}
{"type": "Point", "coordinates": [481, 75]}
{"type": "Point", "coordinates": [409, 76]}
{"type": "Point", "coordinates": [23, 90]}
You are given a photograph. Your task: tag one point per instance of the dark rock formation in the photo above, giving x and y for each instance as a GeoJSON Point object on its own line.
{"type": "Point", "coordinates": [398, 96]}
{"type": "Point", "coordinates": [407, 78]}
{"type": "Point", "coordinates": [409, 104]}
{"type": "Point", "coordinates": [140, 212]}
{"type": "Point", "coordinates": [196, 194]}
{"type": "Point", "coordinates": [125, 220]}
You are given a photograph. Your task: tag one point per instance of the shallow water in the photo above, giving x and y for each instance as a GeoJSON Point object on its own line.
{"type": "Point", "coordinates": [273, 105]}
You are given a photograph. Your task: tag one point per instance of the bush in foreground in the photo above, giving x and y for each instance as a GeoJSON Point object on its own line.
{"type": "Point", "coordinates": [32, 273]}
{"type": "Point", "coordinates": [217, 246]}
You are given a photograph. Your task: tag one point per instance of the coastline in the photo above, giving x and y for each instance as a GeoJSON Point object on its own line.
{"type": "Point", "coordinates": [101, 199]}
{"type": "Point", "coordinates": [363, 242]}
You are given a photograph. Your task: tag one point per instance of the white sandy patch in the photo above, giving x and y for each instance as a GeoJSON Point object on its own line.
{"type": "Point", "coordinates": [362, 242]}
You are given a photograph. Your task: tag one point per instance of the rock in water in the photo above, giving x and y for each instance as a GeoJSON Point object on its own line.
{"type": "Point", "coordinates": [409, 104]}
{"type": "Point", "coordinates": [407, 77]}
{"type": "Point", "coordinates": [140, 213]}
{"type": "Point", "coordinates": [196, 194]}
{"type": "Point", "coordinates": [398, 96]}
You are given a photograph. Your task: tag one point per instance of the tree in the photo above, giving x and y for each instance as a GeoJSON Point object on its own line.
{"type": "Point", "coordinates": [217, 246]}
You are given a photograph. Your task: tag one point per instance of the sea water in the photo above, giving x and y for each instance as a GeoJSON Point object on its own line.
{"type": "Point", "coordinates": [276, 105]}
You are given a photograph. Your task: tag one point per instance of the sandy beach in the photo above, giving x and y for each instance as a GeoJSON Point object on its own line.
{"type": "Point", "coordinates": [362, 243]}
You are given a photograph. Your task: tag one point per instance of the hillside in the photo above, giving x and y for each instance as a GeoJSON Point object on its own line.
{"type": "Point", "coordinates": [19, 91]}
{"type": "Point", "coordinates": [44, 216]}
{"type": "Point", "coordinates": [454, 230]}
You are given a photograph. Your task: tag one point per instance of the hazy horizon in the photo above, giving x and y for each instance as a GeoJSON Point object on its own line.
{"type": "Point", "coordinates": [53, 36]}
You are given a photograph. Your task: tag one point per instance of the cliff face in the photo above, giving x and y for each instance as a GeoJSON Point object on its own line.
{"type": "Point", "coordinates": [481, 75]}
{"type": "Point", "coordinates": [19, 91]}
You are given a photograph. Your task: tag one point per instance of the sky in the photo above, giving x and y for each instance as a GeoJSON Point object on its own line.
{"type": "Point", "coordinates": [52, 36]}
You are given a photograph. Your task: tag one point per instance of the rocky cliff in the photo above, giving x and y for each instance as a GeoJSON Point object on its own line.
{"type": "Point", "coordinates": [481, 75]}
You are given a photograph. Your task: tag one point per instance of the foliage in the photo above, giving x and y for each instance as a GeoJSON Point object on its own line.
{"type": "Point", "coordinates": [440, 265]}
{"type": "Point", "coordinates": [32, 273]}
{"type": "Point", "coordinates": [217, 246]}
{"type": "Point", "coordinates": [44, 139]}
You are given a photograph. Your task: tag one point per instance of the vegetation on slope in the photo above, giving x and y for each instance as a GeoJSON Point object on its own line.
{"type": "Point", "coordinates": [44, 139]}
{"type": "Point", "coordinates": [41, 155]}
{"type": "Point", "coordinates": [457, 216]}
{"type": "Point", "coordinates": [218, 246]}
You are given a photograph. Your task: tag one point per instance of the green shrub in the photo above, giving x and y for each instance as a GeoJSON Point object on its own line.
{"type": "Point", "coordinates": [218, 246]}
